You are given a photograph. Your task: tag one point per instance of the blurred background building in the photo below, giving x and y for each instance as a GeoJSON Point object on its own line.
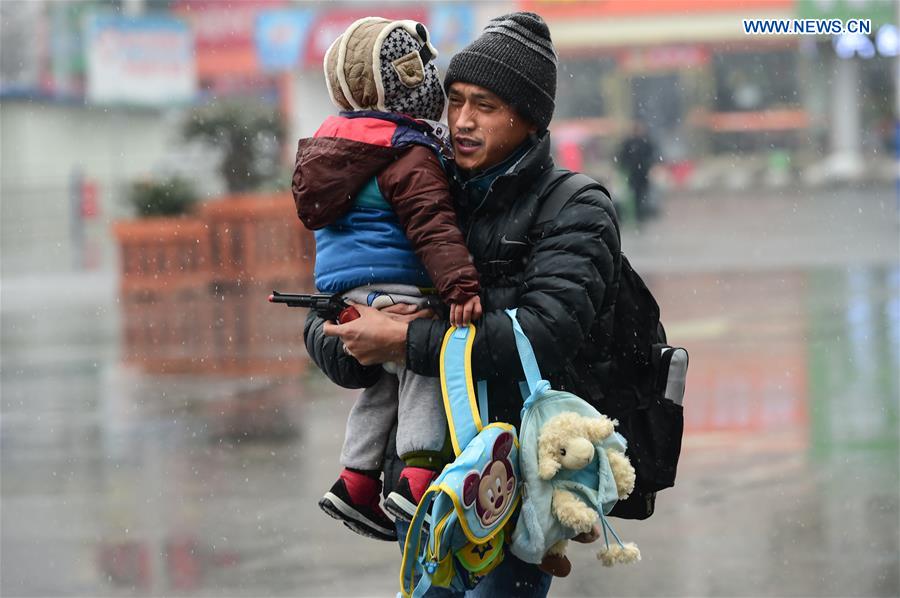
{"type": "Point", "coordinates": [85, 84]}
{"type": "Point", "coordinates": [784, 105]}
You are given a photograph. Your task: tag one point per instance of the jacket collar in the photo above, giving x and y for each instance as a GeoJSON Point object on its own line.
{"type": "Point", "coordinates": [516, 177]}
{"type": "Point", "coordinates": [396, 118]}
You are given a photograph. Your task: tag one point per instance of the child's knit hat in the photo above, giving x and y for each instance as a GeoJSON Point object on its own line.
{"type": "Point", "coordinates": [383, 65]}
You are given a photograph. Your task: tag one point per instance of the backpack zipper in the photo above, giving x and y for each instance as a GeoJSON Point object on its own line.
{"type": "Point", "coordinates": [530, 411]}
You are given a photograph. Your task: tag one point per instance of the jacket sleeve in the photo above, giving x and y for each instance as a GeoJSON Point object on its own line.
{"type": "Point", "coordinates": [327, 353]}
{"type": "Point", "coordinates": [564, 287]}
{"type": "Point", "coordinates": [416, 186]}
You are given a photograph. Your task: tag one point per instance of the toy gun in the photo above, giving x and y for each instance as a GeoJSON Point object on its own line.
{"type": "Point", "coordinates": [330, 307]}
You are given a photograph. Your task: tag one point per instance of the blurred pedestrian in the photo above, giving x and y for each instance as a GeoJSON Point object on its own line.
{"type": "Point", "coordinates": [561, 278]}
{"type": "Point", "coordinates": [636, 156]}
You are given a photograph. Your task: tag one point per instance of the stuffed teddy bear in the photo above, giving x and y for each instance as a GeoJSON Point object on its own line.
{"type": "Point", "coordinates": [569, 442]}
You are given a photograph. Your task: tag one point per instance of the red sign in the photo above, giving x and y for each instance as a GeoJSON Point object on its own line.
{"type": "Point", "coordinates": [331, 24]}
{"type": "Point", "coordinates": [224, 33]}
{"type": "Point", "coordinates": [90, 206]}
{"type": "Point", "coordinates": [746, 392]}
{"type": "Point", "coordinates": [578, 9]}
{"type": "Point", "coordinates": [663, 58]}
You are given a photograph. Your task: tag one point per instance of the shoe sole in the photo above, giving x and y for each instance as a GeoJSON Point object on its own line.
{"type": "Point", "coordinates": [354, 520]}
{"type": "Point", "coordinates": [397, 505]}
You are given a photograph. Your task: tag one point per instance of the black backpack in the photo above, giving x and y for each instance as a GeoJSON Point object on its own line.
{"type": "Point", "coordinates": [647, 380]}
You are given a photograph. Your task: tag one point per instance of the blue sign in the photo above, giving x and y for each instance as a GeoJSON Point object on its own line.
{"type": "Point", "coordinates": [146, 60]}
{"type": "Point", "coordinates": [281, 38]}
{"type": "Point", "coordinates": [452, 27]}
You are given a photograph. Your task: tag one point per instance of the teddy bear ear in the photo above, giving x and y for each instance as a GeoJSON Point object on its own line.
{"type": "Point", "coordinates": [548, 465]}
{"type": "Point", "coordinates": [598, 429]}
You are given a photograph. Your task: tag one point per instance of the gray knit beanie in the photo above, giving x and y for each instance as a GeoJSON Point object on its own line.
{"type": "Point", "coordinates": [515, 59]}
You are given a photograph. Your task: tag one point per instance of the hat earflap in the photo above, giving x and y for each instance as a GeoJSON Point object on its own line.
{"type": "Point", "coordinates": [342, 58]}
{"type": "Point", "coordinates": [411, 67]}
{"type": "Point", "coordinates": [332, 80]}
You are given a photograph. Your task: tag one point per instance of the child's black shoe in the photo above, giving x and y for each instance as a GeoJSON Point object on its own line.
{"type": "Point", "coordinates": [404, 500]}
{"type": "Point", "coordinates": [354, 500]}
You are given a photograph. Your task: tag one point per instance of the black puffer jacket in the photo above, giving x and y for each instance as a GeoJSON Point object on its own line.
{"type": "Point", "coordinates": [564, 285]}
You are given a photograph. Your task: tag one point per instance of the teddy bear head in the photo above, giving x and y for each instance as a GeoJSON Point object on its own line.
{"type": "Point", "coordinates": [567, 441]}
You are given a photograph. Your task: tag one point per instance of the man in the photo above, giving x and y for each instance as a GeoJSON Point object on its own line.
{"type": "Point", "coordinates": [636, 156]}
{"type": "Point", "coordinates": [501, 91]}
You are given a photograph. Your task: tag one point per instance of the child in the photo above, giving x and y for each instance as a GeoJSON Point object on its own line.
{"type": "Point", "coordinates": [371, 185]}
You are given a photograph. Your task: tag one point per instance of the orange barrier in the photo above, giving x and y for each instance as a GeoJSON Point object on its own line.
{"type": "Point", "coordinates": [233, 331]}
{"type": "Point", "coordinates": [194, 290]}
{"type": "Point", "coordinates": [257, 237]}
{"type": "Point", "coordinates": [765, 120]}
{"type": "Point", "coordinates": [231, 240]}
{"type": "Point", "coordinates": [163, 254]}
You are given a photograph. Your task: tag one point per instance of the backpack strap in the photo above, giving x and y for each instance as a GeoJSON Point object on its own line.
{"type": "Point", "coordinates": [413, 550]}
{"type": "Point", "coordinates": [534, 382]}
{"type": "Point", "coordinates": [526, 353]}
{"type": "Point", "coordinates": [458, 388]}
{"type": "Point", "coordinates": [562, 188]}
{"type": "Point", "coordinates": [556, 187]}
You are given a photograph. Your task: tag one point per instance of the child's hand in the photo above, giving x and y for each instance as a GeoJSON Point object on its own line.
{"type": "Point", "coordinates": [461, 314]}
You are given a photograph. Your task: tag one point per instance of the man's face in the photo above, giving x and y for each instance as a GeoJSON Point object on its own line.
{"type": "Point", "coordinates": [485, 129]}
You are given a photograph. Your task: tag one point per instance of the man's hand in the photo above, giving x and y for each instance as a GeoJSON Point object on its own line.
{"type": "Point", "coordinates": [461, 314]}
{"type": "Point", "coordinates": [376, 337]}
{"type": "Point", "coordinates": [407, 312]}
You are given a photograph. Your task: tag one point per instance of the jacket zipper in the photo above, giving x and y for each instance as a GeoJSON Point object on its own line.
{"type": "Point", "coordinates": [481, 205]}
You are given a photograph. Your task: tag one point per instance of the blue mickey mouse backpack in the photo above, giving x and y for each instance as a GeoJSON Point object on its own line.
{"type": "Point", "coordinates": [462, 523]}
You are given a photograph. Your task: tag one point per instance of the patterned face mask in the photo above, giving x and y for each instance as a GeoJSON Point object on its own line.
{"type": "Point", "coordinates": [411, 85]}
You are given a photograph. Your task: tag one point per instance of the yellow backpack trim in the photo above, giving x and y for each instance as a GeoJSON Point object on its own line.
{"type": "Point", "coordinates": [444, 573]}
{"type": "Point", "coordinates": [460, 510]}
{"type": "Point", "coordinates": [470, 387]}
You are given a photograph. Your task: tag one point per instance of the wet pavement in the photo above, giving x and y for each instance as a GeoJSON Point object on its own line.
{"type": "Point", "coordinates": [121, 482]}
